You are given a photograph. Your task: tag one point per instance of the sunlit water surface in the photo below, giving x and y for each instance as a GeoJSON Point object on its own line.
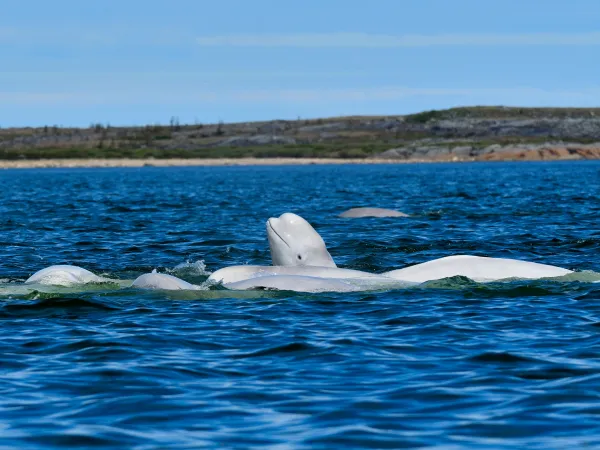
{"type": "Point", "coordinates": [451, 364]}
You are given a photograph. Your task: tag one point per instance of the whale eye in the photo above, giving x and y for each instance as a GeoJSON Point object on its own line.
{"type": "Point", "coordinates": [300, 257]}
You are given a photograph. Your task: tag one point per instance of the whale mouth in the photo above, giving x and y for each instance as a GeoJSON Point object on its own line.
{"type": "Point", "coordinates": [276, 233]}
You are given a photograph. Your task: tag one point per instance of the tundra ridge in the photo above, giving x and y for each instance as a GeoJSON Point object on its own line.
{"type": "Point", "coordinates": [480, 133]}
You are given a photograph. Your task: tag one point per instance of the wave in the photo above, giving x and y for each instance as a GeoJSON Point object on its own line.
{"type": "Point", "coordinates": [45, 304]}
{"type": "Point", "coordinates": [195, 268]}
{"type": "Point", "coordinates": [585, 276]}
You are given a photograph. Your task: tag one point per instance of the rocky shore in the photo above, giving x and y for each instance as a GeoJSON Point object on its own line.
{"type": "Point", "coordinates": [459, 134]}
{"type": "Point", "coordinates": [178, 162]}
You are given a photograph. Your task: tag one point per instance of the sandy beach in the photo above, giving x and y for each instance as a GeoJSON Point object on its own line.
{"type": "Point", "coordinates": [73, 163]}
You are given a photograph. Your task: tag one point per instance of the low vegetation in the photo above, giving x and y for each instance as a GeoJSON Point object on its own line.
{"type": "Point", "coordinates": [477, 128]}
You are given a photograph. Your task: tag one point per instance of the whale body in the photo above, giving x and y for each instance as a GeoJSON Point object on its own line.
{"type": "Point", "coordinates": [162, 281]}
{"type": "Point", "coordinates": [354, 213]}
{"type": "Point", "coordinates": [303, 283]}
{"type": "Point", "coordinates": [299, 251]}
{"type": "Point", "coordinates": [296, 283]}
{"type": "Point", "coordinates": [296, 250]}
{"type": "Point", "coordinates": [234, 274]}
{"type": "Point", "coordinates": [65, 275]}
{"type": "Point", "coordinates": [476, 268]}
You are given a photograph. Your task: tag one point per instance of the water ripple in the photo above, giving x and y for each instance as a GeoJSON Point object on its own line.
{"type": "Point", "coordinates": [449, 364]}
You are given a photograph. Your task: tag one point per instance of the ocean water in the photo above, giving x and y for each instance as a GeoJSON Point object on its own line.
{"type": "Point", "coordinates": [451, 364]}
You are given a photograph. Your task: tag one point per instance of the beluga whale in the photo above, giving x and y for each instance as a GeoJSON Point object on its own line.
{"type": "Point", "coordinates": [296, 250]}
{"type": "Point", "coordinates": [164, 282]}
{"type": "Point", "coordinates": [294, 242]}
{"type": "Point", "coordinates": [356, 213]}
{"type": "Point", "coordinates": [65, 275]}
{"type": "Point", "coordinates": [302, 263]}
{"type": "Point", "coordinates": [298, 253]}
{"type": "Point", "coordinates": [294, 283]}
{"type": "Point", "coordinates": [477, 268]}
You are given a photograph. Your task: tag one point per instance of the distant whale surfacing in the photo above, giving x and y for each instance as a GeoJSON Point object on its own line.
{"type": "Point", "coordinates": [354, 213]}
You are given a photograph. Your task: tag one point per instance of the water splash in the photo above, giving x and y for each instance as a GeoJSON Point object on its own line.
{"type": "Point", "coordinates": [195, 268]}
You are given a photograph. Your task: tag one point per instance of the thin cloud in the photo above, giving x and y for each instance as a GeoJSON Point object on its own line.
{"type": "Point", "coordinates": [91, 37]}
{"type": "Point", "coordinates": [364, 40]}
{"type": "Point", "coordinates": [37, 98]}
{"type": "Point", "coordinates": [398, 93]}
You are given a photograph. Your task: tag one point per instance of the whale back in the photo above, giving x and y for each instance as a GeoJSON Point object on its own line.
{"type": "Point", "coordinates": [294, 242]}
{"type": "Point", "coordinates": [162, 281]}
{"type": "Point", "coordinates": [296, 283]}
{"type": "Point", "coordinates": [477, 268]}
{"type": "Point", "coordinates": [372, 212]}
{"type": "Point", "coordinates": [234, 274]}
{"type": "Point", "coordinates": [63, 275]}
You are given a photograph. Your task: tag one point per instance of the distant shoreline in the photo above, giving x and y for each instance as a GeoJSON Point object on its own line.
{"type": "Point", "coordinates": [453, 135]}
{"type": "Point", "coordinates": [225, 162]}
{"type": "Point", "coordinates": [176, 162]}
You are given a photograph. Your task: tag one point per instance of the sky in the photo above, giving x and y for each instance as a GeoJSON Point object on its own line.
{"type": "Point", "coordinates": [128, 62]}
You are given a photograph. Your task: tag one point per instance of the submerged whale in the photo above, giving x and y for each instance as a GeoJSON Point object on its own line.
{"type": "Point", "coordinates": [296, 283]}
{"type": "Point", "coordinates": [371, 212]}
{"type": "Point", "coordinates": [65, 275]}
{"type": "Point", "coordinates": [304, 283]}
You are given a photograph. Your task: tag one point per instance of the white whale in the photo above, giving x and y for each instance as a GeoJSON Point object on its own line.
{"type": "Point", "coordinates": [476, 268]}
{"type": "Point", "coordinates": [294, 242]}
{"type": "Point", "coordinates": [161, 281]}
{"type": "Point", "coordinates": [65, 275]}
{"type": "Point", "coordinates": [297, 283]}
{"type": "Point", "coordinates": [234, 274]}
{"type": "Point", "coordinates": [303, 283]}
{"type": "Point", "coordinates": [297, 250]}
{"type": "Point", "coordinates": [371, 212]}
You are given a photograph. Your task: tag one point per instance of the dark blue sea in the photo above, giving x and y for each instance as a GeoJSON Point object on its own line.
{"type": "Point", "coordinates": [449, 365]}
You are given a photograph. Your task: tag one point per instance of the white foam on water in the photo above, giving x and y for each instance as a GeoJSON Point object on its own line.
{"type": "Point", "coordinates": [190, 268]}
{"type": "Point", "coordinates": [585, 276]}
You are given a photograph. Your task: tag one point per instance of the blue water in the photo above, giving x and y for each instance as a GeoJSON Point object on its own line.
{"type": "Point", "coordinates": [449, 365]}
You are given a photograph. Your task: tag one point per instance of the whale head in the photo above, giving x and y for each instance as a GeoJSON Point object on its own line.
{"type": "Point", "coordinates": [294, 242]}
